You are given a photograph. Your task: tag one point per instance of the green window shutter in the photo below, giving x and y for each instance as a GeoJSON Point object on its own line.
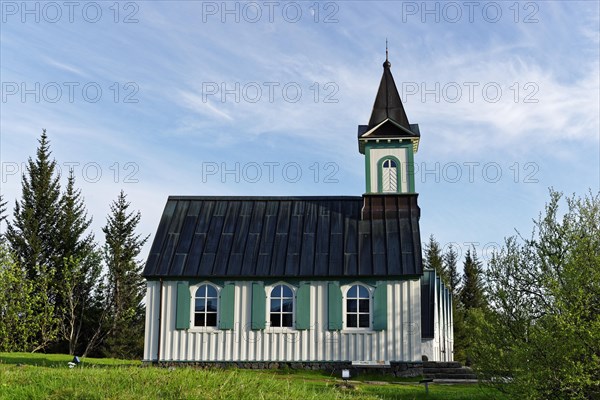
{"type": "Point", "coordinates": [258, 306]}
{"type": "Point", "coordinates": [226, 306]}
{"type": "Point", "coordinates": [334, 307]}
{"type": "Point", "coordinates": [182, 310]}
{"type": "Point", "coordinates": [303, 306]}
{"type": "Point", "coordinates": [380, 307]}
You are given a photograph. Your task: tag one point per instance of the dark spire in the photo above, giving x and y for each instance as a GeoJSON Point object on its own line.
{"type": "Point", "coordinates": [387, 102]}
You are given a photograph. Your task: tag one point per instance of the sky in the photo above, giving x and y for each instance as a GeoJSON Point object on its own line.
{"type": "Point", "coordinates": [162, 98]}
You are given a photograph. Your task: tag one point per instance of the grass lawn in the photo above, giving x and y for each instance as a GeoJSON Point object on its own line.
{"type": "Point", "coordinates": [47, 376]}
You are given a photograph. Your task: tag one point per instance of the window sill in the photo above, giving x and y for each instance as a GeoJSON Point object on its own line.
{"type": "Point", "coordinates": [281, 330]}
{"type": "Point", "coordinates": [368, 331]}
{"type": "Point", "coordinates": [198, 329]}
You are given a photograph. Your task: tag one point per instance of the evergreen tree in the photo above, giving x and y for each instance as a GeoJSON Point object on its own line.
{"type": "Point", "coordinates": [472, 299]}
{"type": "Point", "coordinates": [33, 233]}
{"type": "Point", "coordinates": [81, 266]}
{"type": "Point", "coordinates": [450, 267]}
{"type": "Point", "coordinates": [2, 209]}
{"type": "Point", "coordinates": [33, 238]}
{"type": "Point", "coordinates": [433, 258]}
{"type": "Point", "coordinates": [2, 216]}
{"type": "Point", "coordinates": [73, 223]}
{"type": "Point", "coordinates": [125, 283]}
{"type": "Point", "coordinates": [472, 292]}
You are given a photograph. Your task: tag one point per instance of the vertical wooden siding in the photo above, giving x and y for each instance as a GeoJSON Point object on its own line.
{"type": "Point", "coordinates": [399, 341]}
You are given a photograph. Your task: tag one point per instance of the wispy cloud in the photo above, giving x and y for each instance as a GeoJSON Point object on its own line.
{"type": "Point", "coordinates": [65, 67]}
{"type": "Point", "coordinates": [197, 104]}
{"type": "Point", "coordinates": [171, 129]}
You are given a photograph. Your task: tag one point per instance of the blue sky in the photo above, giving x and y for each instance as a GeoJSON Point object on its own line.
{"type": "Point", "coordinates": [264, 98]}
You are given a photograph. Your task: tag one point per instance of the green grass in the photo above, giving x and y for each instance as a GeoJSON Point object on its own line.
{"type": "Point", "coordinates": [47, 376]}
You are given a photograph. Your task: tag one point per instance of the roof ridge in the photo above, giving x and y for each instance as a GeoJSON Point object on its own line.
{"type": "Point", "coordinates": [258, 198]}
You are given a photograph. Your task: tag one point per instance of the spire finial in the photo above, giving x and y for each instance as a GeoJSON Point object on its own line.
{"type": "Point", "coordinates": [386, 50]}
{"type": "Point", "coordinates": [387, 63]}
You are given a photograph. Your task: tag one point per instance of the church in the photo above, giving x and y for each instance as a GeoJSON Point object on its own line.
{"type": "Point", "coordinates": [303, 281]}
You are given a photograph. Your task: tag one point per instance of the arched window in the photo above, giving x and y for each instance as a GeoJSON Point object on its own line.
{"type": "Point", "coordinates": [389, 175]}
{"type": "Point", "coordinates": [205, 309]}
{"type": "Point", "coordinates": [358, 307]}
{"type": "Point", "coordinates": [282, 307]}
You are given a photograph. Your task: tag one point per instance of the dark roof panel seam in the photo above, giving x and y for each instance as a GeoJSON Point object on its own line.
{"type": "Point", "coordinates": [265, 235]}
{"type": "Point", "coordinates": [329, 243]}
{"type": "Point", "coordinates": [208, 223]}
{"type": "Point", "coordinates": [160, 240]}
{"type": "Point", "coordinates": [274, 260]}
{"type": "Point", "coordinates": [189, 249]}
{"type": "Point", "coordinates": [301, 248]}
{"type": "Point", "coordinates": [164, 242]}
{"type": "Point", "coordinates": [230, 206]}
{"type": "Point", "coordinates": [175, 229]}
{"type": "Point", "coordinates": [249, 218]}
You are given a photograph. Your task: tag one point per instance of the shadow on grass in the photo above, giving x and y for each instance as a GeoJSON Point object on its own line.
{"type": "Point", "coordinates": [362, 377]}
{"type": "Point", "coordinates": [34, 360]}
{"type": "Point", "coordinates": [61, 360]}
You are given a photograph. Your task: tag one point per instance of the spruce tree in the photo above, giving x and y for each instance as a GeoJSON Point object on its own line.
{"type": "Point", "coordinates": [33, 233]}
{"type": "Point", "coordinates": [433, 258]}
{"type": "Point", "coordinates": [472, 299]}
{"type": "Point", "coordinates": [33, 237]}
{"type": "Point", "coordinates": [81, 267]}
{"type": "Point", "coordinates": [2, 209]}
{"type": "Point", "coordinates": [73, 223]}
{"type": "Point", "coordinates": [2, 217]}
{"type": "Point", "coordinates": [450, 267]}
{"type": "Point", "coordinates": [125, 283]}
{"type": "Point", "coordinates": [472, 292]}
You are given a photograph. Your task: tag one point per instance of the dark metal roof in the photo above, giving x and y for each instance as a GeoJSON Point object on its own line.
{"type": "Point", "coordinates": [370, 236]}
{"type": "Point", "coordinates": [387, 102]}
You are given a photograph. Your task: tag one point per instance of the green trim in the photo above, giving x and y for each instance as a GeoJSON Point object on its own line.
{"type": "Point", "coordinates": [395, 144]}
{"type": "Point", "coordinates": [259, 305]}
{"type": "Point", "coordinates": [334, 307]}
{"type": "Point", "coordinates": [226, 306]}
{"type": "Point", "coordinates": [380, 307]}
{"type": "Point", "coordinates": [348, 281]}
{"type": "Point", "coordinates": [303, 306]}
{"type": "Point", "coordinates": [410, 169]}
{"type": "Point", "coordinates": [294, 281]}
{"type": "Point", "coordinates": [182, 309]}
{"type": "Point", "coordinates": [380, 173]}
{"type": "Point", "coordinates": [383, 144]}
{"type": "Point", "coordinates": [368, 168]}
{"type": "Point", "coordinates": [218, 282]}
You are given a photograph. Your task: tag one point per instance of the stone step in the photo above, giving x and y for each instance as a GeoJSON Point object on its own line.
{"type": "Point", "coordinates": [462, 370]}
{"type": "Point", "coordinates": [441, 364]}
{"type": "Point", "coordinates": [447, 370]}
{"type": "Point", "coordinates": [450, 376]}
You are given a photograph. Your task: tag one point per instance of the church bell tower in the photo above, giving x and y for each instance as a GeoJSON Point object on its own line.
{"type": "Point", "coordinates": [389, 141]}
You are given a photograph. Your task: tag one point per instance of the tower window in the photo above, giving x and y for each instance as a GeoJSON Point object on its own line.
{"type": "Point", "coordinates": [389, 175]}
